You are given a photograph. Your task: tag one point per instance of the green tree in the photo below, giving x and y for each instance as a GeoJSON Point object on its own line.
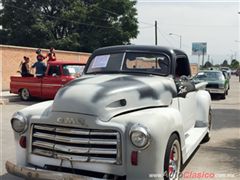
{"type": "Point", "coordinates": [225, 63]}
{"type": "Point", "coordinates": [208, 64]}
{"type": "Point", "coordinates": [80, 25]}
{"type": "Point", "coordinates": [234, 64]}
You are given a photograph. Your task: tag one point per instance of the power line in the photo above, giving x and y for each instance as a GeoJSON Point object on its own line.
{"type": "Point", "coordinates": [150, 24]}
{"type": "Point", "coordinates": [63, 19]}
{"type": "Point", "coordinates": [164, 37]}
{"type": "Point", "coordinates": [111, 12]}
{"type": "Point", "coordinates": [200, 25]}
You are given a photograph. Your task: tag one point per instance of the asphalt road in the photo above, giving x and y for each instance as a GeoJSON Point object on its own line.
{"type": "Point", "coordinates": [217, 159]}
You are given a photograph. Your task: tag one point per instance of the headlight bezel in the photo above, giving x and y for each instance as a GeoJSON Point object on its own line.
{"type": "Point", "coordinates": [19, 118]}
{"type": "Point", "coordinates": [138, 128]}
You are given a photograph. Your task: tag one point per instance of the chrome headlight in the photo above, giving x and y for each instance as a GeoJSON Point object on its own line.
{"type": "Point", "coordinates": [139, 136]}
{"type": "Point", "coordinates": [19, 123]}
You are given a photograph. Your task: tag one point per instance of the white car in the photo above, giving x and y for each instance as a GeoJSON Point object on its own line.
{"type": "Point", "coordinates": [134, 114]}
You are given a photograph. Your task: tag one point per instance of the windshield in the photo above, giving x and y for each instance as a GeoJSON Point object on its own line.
{"type": "Point", "coordinates": [130, 63]}
{"type": "Point", "coordinates": [209, 76]}
{"type": "Point", "coordinates": [73, 69]}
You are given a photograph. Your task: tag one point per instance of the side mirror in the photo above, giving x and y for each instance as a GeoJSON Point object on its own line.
{"type": "Point", "coordinates": [184, 78]}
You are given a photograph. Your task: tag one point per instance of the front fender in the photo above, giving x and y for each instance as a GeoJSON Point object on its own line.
{"type": "Point", "coordinates": [40, 109]}
{"type": "Point", "coordinates": [161, 123]}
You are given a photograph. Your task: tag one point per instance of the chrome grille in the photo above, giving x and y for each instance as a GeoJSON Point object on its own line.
{"type": "Point", "coordinates": [212, 85]}
{"type": "Point", "coordinates": [76, 144]}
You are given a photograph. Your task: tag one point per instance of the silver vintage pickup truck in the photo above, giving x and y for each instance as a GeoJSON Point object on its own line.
{"type": "Point", "coordinates": [134, 114]}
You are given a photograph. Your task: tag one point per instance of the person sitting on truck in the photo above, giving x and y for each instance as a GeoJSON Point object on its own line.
{"type": "Point", "coordinates": [25, 69]}
{"type": "Point", "coordinates": [51, 55]}
{"type": "Point", "coordinates": [40, 68]}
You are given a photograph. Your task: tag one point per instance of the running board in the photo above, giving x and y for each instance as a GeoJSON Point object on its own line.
{"type": "Point", "coordinates": [192, 139]}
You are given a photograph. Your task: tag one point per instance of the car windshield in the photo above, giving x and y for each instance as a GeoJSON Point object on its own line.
{"type": "Point", "coordinates": [130, 63]}
{"type": "Point", "coordinates": [209, 76]}
{"type": "Point", "coordinates": [73, 69]}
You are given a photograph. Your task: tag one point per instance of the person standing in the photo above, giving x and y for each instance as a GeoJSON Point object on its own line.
{"type": "Point", "coordinates": [39, 65]}
{"type": "Point", "coordinates": [25, 68]}
{"type": "Point", "coordinates": [40, 57]}
{"type": "Point", "coordinates": [51, 55]}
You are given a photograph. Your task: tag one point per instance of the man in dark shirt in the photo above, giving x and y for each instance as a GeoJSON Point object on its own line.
{"type": "Point", "coordinates": [39, 65]}
{"type": "Point", "coordinates": [25, 69]}
{"type": "Point", "coordinates": [40, 68]}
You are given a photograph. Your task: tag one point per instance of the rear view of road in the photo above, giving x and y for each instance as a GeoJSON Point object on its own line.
{"type": "Point", "coordinates": [220, 157]}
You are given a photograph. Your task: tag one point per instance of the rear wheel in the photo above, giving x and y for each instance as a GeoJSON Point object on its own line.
{"type": "Point", "coordinates": [172, 160]}
{"type": "Point", "coordinates": [25, 94]}
{"type": "Point", "coordinates": [208, 135]}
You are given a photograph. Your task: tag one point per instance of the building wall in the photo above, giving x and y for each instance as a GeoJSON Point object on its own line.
{"type": "Point", "coordinates": [194, 69]}
{"type": "Point", "coordinates": [11, 57]}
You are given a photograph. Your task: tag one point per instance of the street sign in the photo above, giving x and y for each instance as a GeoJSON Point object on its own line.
{"type": "Point", "coordinates": [199, 48]}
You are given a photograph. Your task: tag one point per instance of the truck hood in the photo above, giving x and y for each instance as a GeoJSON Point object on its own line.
{"type": "Point", "coordinates": [106, 96]}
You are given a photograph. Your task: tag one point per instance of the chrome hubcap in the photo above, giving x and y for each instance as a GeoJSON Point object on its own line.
{"type": "Point", "coordinates": [25, 94]}
{"type": "Point", "coordinates": [174, 161]}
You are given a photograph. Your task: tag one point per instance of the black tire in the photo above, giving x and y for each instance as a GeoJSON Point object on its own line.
{"type": "Point", "coordinates": [25, 94]}
{"type": "Point", "coordinates": [172, 146]}
{"type": "Point", "coordinates": [223, 96]}
{"type": "Point", "coordinates": [208, 135]}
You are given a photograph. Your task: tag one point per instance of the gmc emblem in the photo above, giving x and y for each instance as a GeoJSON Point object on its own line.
{"type": "Point", "coordinates": [72, 121]}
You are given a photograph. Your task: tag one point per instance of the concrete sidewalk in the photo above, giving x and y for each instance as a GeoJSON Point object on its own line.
{"type": "Point", "coordinates": [6, 97]}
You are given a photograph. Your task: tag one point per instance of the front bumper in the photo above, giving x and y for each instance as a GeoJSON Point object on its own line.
{"type": "Point", "coordinates": [34, 173]}
{"type": "Point", "coordinates": [215, 90]}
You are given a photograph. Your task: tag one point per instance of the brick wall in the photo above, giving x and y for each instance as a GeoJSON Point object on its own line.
{"type": "Point", "coordinates": [11, 57]}
{"type": "Point", "coordinates": [194, 69]}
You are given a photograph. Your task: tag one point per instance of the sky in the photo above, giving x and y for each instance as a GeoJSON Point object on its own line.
{"type": "Point", "coordinates": [215, 22]}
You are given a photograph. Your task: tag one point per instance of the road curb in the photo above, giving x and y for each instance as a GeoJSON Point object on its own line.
{"type": "Point", "coordinates": [8, 100]}
{"type": "Point", "coordinates": [4, 101]}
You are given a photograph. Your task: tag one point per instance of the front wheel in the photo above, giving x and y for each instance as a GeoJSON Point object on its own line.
{"type": "Point", "coordinates": [25, 94]}
{"type": "Point", "coordinates": [223, 96]}
{"type": "Point", "coordinates": [172, 160]}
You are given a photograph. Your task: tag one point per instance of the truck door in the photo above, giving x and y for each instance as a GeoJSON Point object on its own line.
{"type": "Point", "coordinates": [52, 82]}
{"type": "Point", "coordinates": [186, 92]}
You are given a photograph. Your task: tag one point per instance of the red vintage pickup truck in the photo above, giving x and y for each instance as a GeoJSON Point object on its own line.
{"type": "Point", "coordinates": [57, 74]}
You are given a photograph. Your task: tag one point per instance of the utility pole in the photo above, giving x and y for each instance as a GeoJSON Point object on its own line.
{"type": "Point", "coordinates": [156, 33]}
{"type": "Point", "coordinates": [202, 57]}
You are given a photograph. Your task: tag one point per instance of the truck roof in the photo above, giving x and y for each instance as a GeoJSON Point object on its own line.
{"type": "Point", "coordinates": [141, 48]}
{"type": "Point", "coordinates": [65, 62]}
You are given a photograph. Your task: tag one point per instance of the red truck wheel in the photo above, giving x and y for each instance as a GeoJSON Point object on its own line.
{"type": "Point", "coordinates": [24, 94]}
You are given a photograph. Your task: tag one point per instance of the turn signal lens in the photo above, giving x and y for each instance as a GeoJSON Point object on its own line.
{"type": "Point", "coordinates": [23, 142]}
{"type": "Point", "coordinates": [134, 158]}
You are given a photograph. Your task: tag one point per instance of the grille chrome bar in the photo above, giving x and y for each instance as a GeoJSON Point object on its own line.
{"type": "Point", "coordinates": [72, 131]}
{"type": "Point", "coordinates": [101, 160]}
{"type": "Point", "coordinates": [43, 136]}
{"type": "Point", "coordinates": [75, 144]}
{"type": "Point", "coordinates": [71, 140]}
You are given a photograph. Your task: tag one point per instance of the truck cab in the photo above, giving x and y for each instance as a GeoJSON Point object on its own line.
{"type": "Point", "coordinates": [57, 74]}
